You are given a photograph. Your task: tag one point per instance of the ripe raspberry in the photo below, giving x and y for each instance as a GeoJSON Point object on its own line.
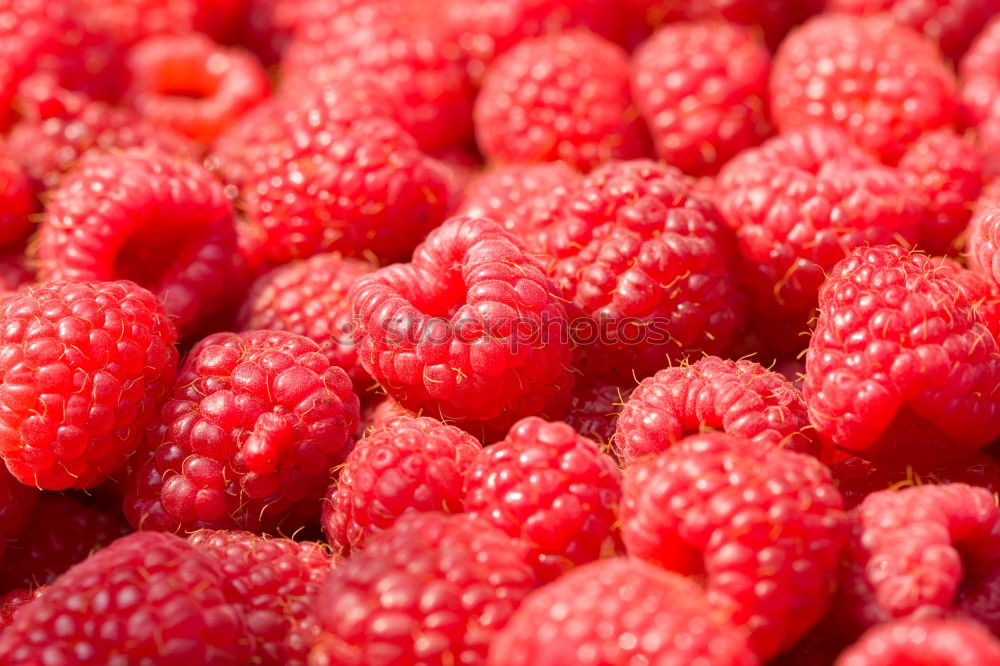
{"type": "Point", "coordinates": [147, 599]}
{"type": "Point", "coordinates": [559, 97]}
{"type": "Point", "coordinates": [555, 491]}
{"type": "Point", "coordinates": [17, 501]}
{"type": "Point", "coordinates": [193, 85]}
{"type": "Point", "coordinates": [61, 533]}
{"type": "Point", "coordinates": [702, 90]}
{"type": "Point", "coordinates": [256, 423]}
{"type": "Point", "coordinates": [739, 398]}
{"type": "Point", "coordinates": [899, 362]}
{"type": "Point", "coordinates": [763, 526]}
{"type": "Point", "coordinates": [85, 366]}
{"type": "Point", "coordinates": [274, 581]}
{"type": "Point", "coordinates": [408, 464]}
{"type": "Point", "coordinates": [391, 41]}
{"type": "Point", "coordinates": [980, 77]}
{"type": "Point", "coordinates": [921, 551]}
{"type": "Point", "coordinates": [162, 222]}
{"type": "Point", "coordinates": [911, 642]}
{"type": "Point", "coordinates": [16, 199]}
{"type": "Point", "coordinates": [648, 260]}
{"type": "Point", "coordinates": [309, 298]}
{"type": "Point", "coordinates": [469, 332]}
{"type": "Point", "coordinates": [593, 411]}
{"type": "Point", "coordinates": [13, 272]}
{"type": "Point", "coordinates": [379, 411]}
{"type": "Point", "coordinates": [981, 291]}
{"type": "Point", "coordinates": [521, 197]}
{"type": "Point", "coordinates": [619, 611]}
{"type": "Point", "coordinates": [268, 26]}
{"type": "Point", "coordinates": [12, 603]}
{"type": "Point", "coordinates": [882, 83]}
{"type": "Point", "coordinates": [129, 21]}
{"type": "Point", "coordinates": [433, 590]}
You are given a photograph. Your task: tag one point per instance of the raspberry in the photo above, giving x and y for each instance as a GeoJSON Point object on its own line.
{"type": "Point", "coordinates": [161, 221]}
{"type": "Point", "coordinates": [764, 527]}
{"type": "Point", "coordinates": [309, 298]}
{"type": "Point", "coordinates": [798, 204]}
{"type": "Point", "coordinates": [192, 85]}
{"type": "Point", "coordinates": [559, 97]}
{"type": "Point", "coordinates": [951, 642]}
{"type": "Point", "coordinates": [550, 488]}
{"type": "Point", "coordinates": [83, 368]}
{"type": "Point", "coordinates": [924, 550]}
{"type": "Point", "coordinates": [12, 603]}
{"type": "Point", "coordinates": [248, 439]}
{"type": "Point", "coordinates": [147, 599]}
{"type": "Point", "coordinates": [647, 259]}
{"type": "Point", "coordinates": [268, 26]}
{"type": "Point", "coordinates": [379, 412]}
{"type": "Point", "coordinates": [899, 366]}
{"type": "Point", "coordinates": [17, 502]}
{"type": "Point", "coordinates": [738, 398]}
{"type": "Point", "coordinates": [980, 78]}
{"type": "Point", "coordinates": [593, 410]}
{"type": "Point", "coordinates": [521, 197]}
{"type": "Point", "coordinates": [984, 238]}
{"type": "Point", "coordinates": [981, 291]}
{"type": "Point", "coordinates": [433, 589]}
{"type": "Point", "coordinates": [13, 273]}
{"type": "Point", "coordinates": [389, 40]}
{"type": "Point", "coordinates": [469, 332]}
{"type": "Point", "coordinates": [129, 21]}
{"type": "Point", "coordinates": [882, 83]}
{"type": "Point", "coordinates": [619, 611]}
{"type": "Point", "coordinates": [702, 90]}
{"type": "Point", "coordinates": [61, 533]}
{"type": "Point", "coordinates": [16, 199]}
{"type": "Point", "coordinates": [275, 582]}
{"type": "Point", "coordinates": [406, 464]}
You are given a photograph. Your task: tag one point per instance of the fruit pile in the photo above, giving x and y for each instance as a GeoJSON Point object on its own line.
{"type": "Point", "coordinates": [500, 333]}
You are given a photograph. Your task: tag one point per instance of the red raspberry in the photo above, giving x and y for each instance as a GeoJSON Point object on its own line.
{"type": "Point", "coordinates": [193, 85]}
{"type": "Point", "coordinates": [148, 217]}
{"type": "Point", "coordinates": [12, 603]}
{"type": "Point", "coordinates": [391, 41]}
{"type": "Point", "coordinates": [899, 362]}
{"type": "Point", "coordinates": [433, 589]}
{"type": "Point", "coordinates": [593, 411]}
{"type": "Point", "coordinates": [248, 440]}
{"type": "Point", "coordinates": [739, 398]}
{"type": "Point", "coordinates": [14, 274]}
{"type": "Point", "coordinates": [559, 97]}
{"type": "Point", "coordinates": [983, 243]}
{"type": "Point", "coordinates": [980, 77]}
{"type": "Point", "coordinates": [469, 332]}
{"type": "Point", "coordinates": [702, 89]}
{"type": "Point", "coordinates": [981, 291]}
{"type": "Point", "coordinates": [912, 642]}
{"type": "Point", "coordinates": [275, 582]}
{"type": "Point", "coordinates": [378, 412]}
{"type": "Point", "coordinates": [17, 501]}
{"type": "Point", "coordinates": [147, 599]}
{"type": "Point", "coordinates": [619, 611]}
{"type": "Point", "coordinates": [924, 550]}
{"type": "Point", "coordinates": [267, 27]}
{"type": "Point", "coordinates": [83, 368]}
{"type": "Point", "coordinates": [309, 298]}
{"type": "Point", "coordinates": [882, 83]}
{"type": "Point", "coordinates": [648, 260]}
{"type": "Point", "coordinates": [132, 20]}
{"type": "Point", "coordinates": [406, 464]}
{"type": "Point", "coordinates": [555, 491]}
{"type": "Point", "coordinates": [521, 197]}
{"type": "Point", "coordinates": [16, 199]}
{"type": "Point", "coordinates": [763, 526]}
{"type": "Point", "coordinates": [61, 533]}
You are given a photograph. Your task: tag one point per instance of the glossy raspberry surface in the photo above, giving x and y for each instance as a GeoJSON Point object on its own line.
{"type": "Point", "coordinates": [12, 603]}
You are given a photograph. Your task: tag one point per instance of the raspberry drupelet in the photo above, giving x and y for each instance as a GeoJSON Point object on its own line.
{"type": "Point", "coordinates": [981, 290]}
{"type": "Point", "coordinates": [914, 642]}
{"type": "Point", "coordinates": [255, 426]}
{"type": "Point", "coordinates": [84, 367]}
{"type": "Point", "coordinates": [129, 21]}
{"type": "Point", "coordinates": [12, 603]}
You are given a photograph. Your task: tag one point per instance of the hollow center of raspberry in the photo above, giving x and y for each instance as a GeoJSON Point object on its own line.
{"type": "Point", "coordinates": [148, 255]}
{"type": "Point", "coordinates": [186, 80]}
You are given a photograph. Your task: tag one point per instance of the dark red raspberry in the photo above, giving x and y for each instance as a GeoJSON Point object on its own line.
{"type": "Point", "coordinates": [739, 398]}
{"type": "Point", "coordinates": [12, 603]}
{"type": "Point", "coordinates": [275, 582]}
{"type": "Point", "coordinates": [406, 464]}
{"type": "Point", "coordinates": [981, 291]}
{"type": "Point", "coordinates": [83, 368]}
{"type": "Point", "coordinates": [160, 221]}
{"type": "Point", "coordinates": [921, 551]}
{"type": "Point", "coordinates": [798, 204]}
{"type": "Point", "coordinates": [980, 77]}
{"type": "Point", "coordinates": [552, 489]}
{"type": "Point", "coordinates": [615, 612]}
{"type": "Point", "coordinates": [248, 440]}
{"type": "Point", "coordinates": [16, 199]}
{"type": "Point", "coordinates": [267, 27]}
{"type": "Point", "coordinates": [702, 90]}
{"type": "Point", "coordinates": [560, 97]}
{"type": "Point", "coordinates": [310, 298]}
{"type": "Point", "coordinates": [470, 332]}
{"type": "Point", "coordinates": [17, 501]}
{"type": "Point", "coordinates": [882, 83]}
{"type": "Point", "coordinates": [915, 642]}
{"type": "Point", "coordinates": [764, 527]}
{"type": "Point", "coordinates": [129, 21]}
{"type": "Point", "coordinates": [147, 599]}
{"type": "Point", "coordinates": [392, 41]}
{"type": "Point", "coordinates": [899, 367]}
{"type": "Point", "coordinates": [193, 85]}
{"type": "Point", "coordinates": [648, 260]}
{"type": "Point", "coordinates": [14, 273]}
{"type": "Point", "coordinates": [433, 589]}
{"type": "Point", "coordinates": [594, 408]}
{"type": "Point", "coordinates": [61, 532]}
